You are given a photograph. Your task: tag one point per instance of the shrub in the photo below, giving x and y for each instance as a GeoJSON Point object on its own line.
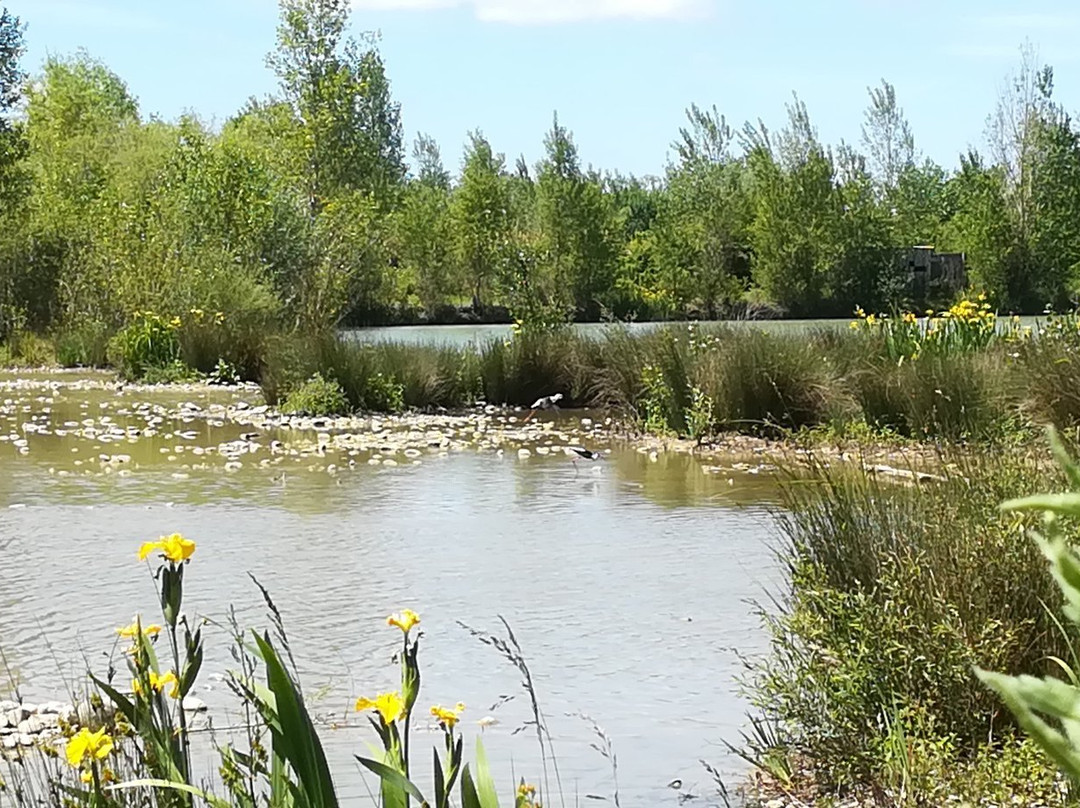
{"type": "Point", "coordinates": [83, 345]}
{"type": "Point", "coordinates": [235, 326]}
{"type": "Point", "coordinates": [963, 396]}
{"type": "Point", "coordinates": [28, 349]}
{"type": "Point", "coordinates": [150, 340]}
{"type": "Point", "coordinates": [317, 396]}
{"type": "Point", "coordinates": [759, 381]}
{"type": "Point", "coordinates": [894, 594]}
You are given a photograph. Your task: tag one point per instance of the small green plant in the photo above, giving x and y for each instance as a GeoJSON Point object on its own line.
{"type": "Point", "coordinates": [175, 372]}
{"type": "Point", "coordinates": [149, 341]}
{"type": "Point", "coordinates": [224, 373]}
{"type": "Point", "coordinates": [317, 396]}
{"type": "Point", "coordinates": [383, 393]}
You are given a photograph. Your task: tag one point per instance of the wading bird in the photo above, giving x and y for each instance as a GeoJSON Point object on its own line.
{"type": "Point", "coordinates": [545, 403]}
{"type": "Point", "coordinates": [585, 454]}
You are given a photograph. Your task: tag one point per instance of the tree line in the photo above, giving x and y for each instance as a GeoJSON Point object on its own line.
{"type": "Point", "coordinates": [302, 208]}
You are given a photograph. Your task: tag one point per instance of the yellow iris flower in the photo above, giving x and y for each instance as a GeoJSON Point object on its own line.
{"type": "Point", "coordinates": [159, 683]}
{"type": "Point", "coordinates": [175, 548]}
{"type": "Point", "coordinates": [388, 705]}
{"type": "Point", "coordinates": [405, 620]}
{"type": "Point", "coordinates": [129, 632]}
{"type": "Point", "coordinates": [448, 716]}
{"type": "Point", "coordinates": [526, 791]}
{"type": "Point", "coordinates": [86, 744]}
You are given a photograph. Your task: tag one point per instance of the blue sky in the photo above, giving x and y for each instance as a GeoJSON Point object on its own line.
{"type": "Point", "coordinates": [619, 72]}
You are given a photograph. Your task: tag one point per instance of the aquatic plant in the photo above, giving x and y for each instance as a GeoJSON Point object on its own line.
{"type": "Point", "coordinates": [893, 594]}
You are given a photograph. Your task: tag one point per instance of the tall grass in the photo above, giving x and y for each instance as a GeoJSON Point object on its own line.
{"type": "Point", "coordinates": [894, 594]}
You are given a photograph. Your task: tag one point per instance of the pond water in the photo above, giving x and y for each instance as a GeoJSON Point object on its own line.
{"type": "Point", "coordinates": [460, 335]}
{"type": "Point", "coordinates": [626, 581]}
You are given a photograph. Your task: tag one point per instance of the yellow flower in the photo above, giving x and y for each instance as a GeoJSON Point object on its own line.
{"type": "Point", "coordinates": [175, 548]}
{"type": "Point", "coordinates": [405, 621]}
{"type": "Point", "coordinates": [175, 322]}
{"type": "Point", "coordinates": [448, 716]}
{"type": "Point", "coordinates": [159, 683]}
{"type": "Point", "coordinates": [388, 705]}
{"type": "Point", "coordinates": [909, 318]}
{"type": "Point", "coordinates": [526, 791]}
{"type": "Point", "coordinates": [871, 319]}
{"type": "Point", "coordinates": [87, 776]}
{"type": "Point", "coordinates": [129, 632]}
{"type": "Point", "coordinates": [87, 744]}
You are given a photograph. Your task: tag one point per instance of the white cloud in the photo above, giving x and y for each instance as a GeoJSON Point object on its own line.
{"type": "Point", "coordinates": [526, 12]}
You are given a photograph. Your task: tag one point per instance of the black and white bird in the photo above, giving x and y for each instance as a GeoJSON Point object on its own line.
{"type": "Point", "coordinates": [585, 454]}
{"type": "Point", "coordinates": [544, 403]}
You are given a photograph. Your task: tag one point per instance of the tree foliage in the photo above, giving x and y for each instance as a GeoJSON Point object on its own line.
{"type": "Point", "coordinates": [300, 211]}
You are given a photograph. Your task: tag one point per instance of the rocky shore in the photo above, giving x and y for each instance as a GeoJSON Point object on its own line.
{"type": "Point", "coordinates": [24, 725]}
{"type": "Point", "coordinates": [199, 427]}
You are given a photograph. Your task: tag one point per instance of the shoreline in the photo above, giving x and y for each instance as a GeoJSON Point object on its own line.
{"type": "Point", "coordinates": [493, 428]}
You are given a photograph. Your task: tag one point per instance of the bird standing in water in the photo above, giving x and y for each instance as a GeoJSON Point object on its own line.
{"type": "Point", "coordinates": [545, 403]}
{"type": "Point", "coordinates": [585, 454]}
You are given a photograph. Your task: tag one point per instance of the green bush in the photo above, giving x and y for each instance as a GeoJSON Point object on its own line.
{"type": "Point", "coordinates": [959, 397]}
{"type": "Point", "coordinates": [175, 372]}
{"type": "Point", "coordinates": [317, 396]}
{"type": "Point", "coordinates": [27, 349]}
{"type": "Point", "coordinates": [894, 594]}
{"type": "Point", "coordinates": [83, 345]}
{"type": "Point", "coordinates": [149, 341]}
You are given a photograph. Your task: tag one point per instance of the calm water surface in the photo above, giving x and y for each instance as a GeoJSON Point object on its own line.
{"type": "Point", "coordinates": [627, 583]}
{"type": "Point", "coordinates": [460, 335]}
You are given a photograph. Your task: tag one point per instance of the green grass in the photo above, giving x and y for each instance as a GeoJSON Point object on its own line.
{"type": "Point", "coordinates": [894, 595]}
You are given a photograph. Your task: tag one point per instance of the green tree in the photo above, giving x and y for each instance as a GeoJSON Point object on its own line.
{"type": "Point", "coordinates": [349, 129]}
{"type": "Point", "coordinates": [481, 220]}
{"type": "Point", "coordinates": [702, 241]}
{"type": "Point", "coordinates": [918, 205]}
{"type": "Point", "coordinates": [423, 230]}
{"type": "Point", "coordinates": [576, 226]}
{"type": "Point", "coordinates": [868, 270]}
{"type": "Point", "coordinates": [12, 142]}
{"type": "Point", "coordinates": [797, 208]}
{"type": "Point", "coordinates": [980, 226]}
{"type": "Point", "coordinates": [80, 121]}
{"type": "Point", "coordinates": [1054, 233]}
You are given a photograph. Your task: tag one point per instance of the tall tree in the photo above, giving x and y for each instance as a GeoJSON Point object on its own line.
{"type": "Point", "coordinates": [703, 240]}
{"type": "Point", "coordinates": [576, 224]}
{"type": "Point", "coordinates": [1023, 105]}
{"type": "Point", "coordinates": [429, 165]}
{"type": "Point", "coordinates": [886, 136]}
{"type": "Point", "coordinates": [12, 143]}
{"type": "Point", "coordinates": [796, 216]}
{"type": "Point", "coordinates": [481, 219]}
{"type": "Point", "coordinates": [349, 128]}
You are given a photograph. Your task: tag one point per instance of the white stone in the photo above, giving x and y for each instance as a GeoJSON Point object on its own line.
{"type": "Point", "coordinates": [194, 705]}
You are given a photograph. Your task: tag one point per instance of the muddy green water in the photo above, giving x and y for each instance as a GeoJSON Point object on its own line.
{"type": "Point", "coordinates": [627, 581]}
